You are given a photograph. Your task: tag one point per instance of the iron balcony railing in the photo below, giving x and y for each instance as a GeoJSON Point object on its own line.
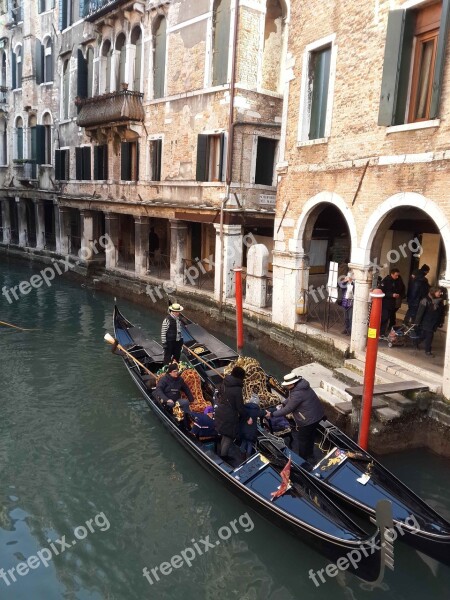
{"type": "Point", "coordinates": [96, 8]}
{"type": "Point", "coordinates": [109, 108]}
{"type": "Point", "coordinates": [3, 94]}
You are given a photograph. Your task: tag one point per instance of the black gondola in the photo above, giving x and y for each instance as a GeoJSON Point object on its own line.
{"type": "Point", "coordinates": [303, 510]}
{"type": "Point", "coordinates": [343, 469]}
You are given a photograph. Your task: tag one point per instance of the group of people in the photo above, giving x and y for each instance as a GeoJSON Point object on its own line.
{"type": "Point", "coordinates": [426, 305]}
{"type": "Point", "coordinates": [231, 418]}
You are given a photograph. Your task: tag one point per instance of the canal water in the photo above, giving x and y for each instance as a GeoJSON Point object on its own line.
{"type": "Point", "coordinates": [89, 477]}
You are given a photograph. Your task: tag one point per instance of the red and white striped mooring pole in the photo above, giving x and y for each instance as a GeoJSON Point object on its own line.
{"type": "Point", "coordinates": [373, 334]}
{"type": "Point", "coordinates": [239, 313]}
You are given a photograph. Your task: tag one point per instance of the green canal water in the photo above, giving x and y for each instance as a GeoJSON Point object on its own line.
{"type": "Point", "coordinates": [81, 456]}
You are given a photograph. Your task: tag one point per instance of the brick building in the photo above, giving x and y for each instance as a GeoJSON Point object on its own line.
{"type": "Point", "coordinates": [121, 124]}
{"type": "Point", "coordinates": [366, 166]}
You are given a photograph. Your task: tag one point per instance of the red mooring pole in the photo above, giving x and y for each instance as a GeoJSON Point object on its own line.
{"type": "Point", "coordinates": [239, 314]}
{"type": "Point", "coordinates": [373, 334]}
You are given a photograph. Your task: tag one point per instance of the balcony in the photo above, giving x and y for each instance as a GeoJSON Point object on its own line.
{"type": "Point", "coordinates": [93, 9]}
{"type": "Point", "coordinates": [3, 95]}
{"type": "Point", "coordinates": [115, 108]}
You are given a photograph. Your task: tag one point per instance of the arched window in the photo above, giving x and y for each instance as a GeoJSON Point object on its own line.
{"type": "Point", "coordinates": [105, 68]}
{"type": "Point", "coordinates": [3, 69]}
{"type": "Point", "coordinates": [65, 90]}
{"type": "Point", "coordinates": [159, 58]}
{"type": "Point", "coordinates": [19, 139]}
{"type": "Point", "coordinates": [221, 40]}
{"type": "Point", "coordinates": [90, 72]}
{"type": "Point", "coordinates": [16, 67]}
{"type": "Point", "coordinates": [136, 40]}
{"type": "Point", "coordinates": [120, 64]}
{"type": "Point", "coordinates": [273, 46]}
{"type": "Point", "coordinates": [47, 123]}
{"type": "Point", "coordinates": [48, 60]}
{"type": "Point", "coordinates": [3, 142]}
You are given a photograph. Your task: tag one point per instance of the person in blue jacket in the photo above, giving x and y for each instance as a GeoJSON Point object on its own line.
{"type": "Point", "coordinates": [248, 426]}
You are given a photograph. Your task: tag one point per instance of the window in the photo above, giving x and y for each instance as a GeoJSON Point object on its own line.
{"type": "Point", "coordinates": [3, 83]}
{"type": "Point", "coordinates": [413, 64]}
{"type": "Point", "coordinates": [105, 67]}
{"type": "Point", "coordinates": [65, 90]}
{"type": "Point", "coordinates": [45, 5]}
{"type": "Point", "coordinates": [265, 160]}
{"type": "Point", "coordinates": [62, 165]}
{"type": "Point", "coordinates": [121, 76]}
{"type": "Point", "coordinates": [19, 139]}
{"type": "Point", "coordinates": [210, 152]}
{"type": "Point", "coordinates": [16, 67]}
{"type": "Point", "coordinates": [70, 11]}
{"type": "Point", "coordinates": [316, 100]}
{"type": "Point", "coordinates": [101, 162]}
{"type": "Point", "coordinates": [47, 123]}
{"type": "Point", "coordinates": [129, 161]}
{"type": "Point", "coordinates": [159, 58]}
{"type": "Point", "coordinates": [221, 40]}
{"type": "Point", "coordinates": [43, 61]}
{"type": "Point", "coordinates": [37, 143]}
{"type": "Point", "coordinates": [136, 45]}
{"type": "Point", "coordinates": [83, 163]}
{"type": "Point", "coordinates": [3, 142]}
{"type": "Point", "coordinates": [155, 160]}
{"type": "Point", "coordinates": [17, 11]}
{"type": "Point", "coordinates": [48, 60]}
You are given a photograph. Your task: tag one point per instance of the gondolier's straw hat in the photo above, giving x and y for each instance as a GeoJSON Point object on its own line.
{"type": "Point", "coordinates": [175, 307]}
{"type": "Point", "coordinates": [291, 379]}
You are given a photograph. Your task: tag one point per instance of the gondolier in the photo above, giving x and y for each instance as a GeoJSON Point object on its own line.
{"type": "Point", "coordinates": [171, 338]}
{"type": "Point", "coordinates": [307, 410]}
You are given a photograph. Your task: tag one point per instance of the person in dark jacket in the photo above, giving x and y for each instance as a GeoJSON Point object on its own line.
{"type": "Point", "coordinates": [430, 316]}
{"type": "Point", "coordinates": [394, 290]}
{"type": "Point", "coordinates": [171, 338]}
{"type": "Point", "coordinates": [169, 389]}
{"type": "Point", "coordinates": [417, 289]}
{"type": "Point", "coordinates": [229, 407]}
{"type": "Point", "coordinates": [248, 426]}
{"type": "Point", "coordinates": [307, 411]}
{"type": "Point", "coordinates": [204, 425]}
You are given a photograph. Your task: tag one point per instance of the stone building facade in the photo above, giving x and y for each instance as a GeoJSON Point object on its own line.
{"type": "Point", "coordinates": [366, 172]}
{"type": "Point", "coordinates": [121, 125]}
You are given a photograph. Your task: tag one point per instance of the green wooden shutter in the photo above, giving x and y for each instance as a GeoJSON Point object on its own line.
{"type": "Point", "coordinates": [222, 152]}
{"type": "Point", "coordinates": [86, 163]}
{"type": "Point", "coordinates": [391, 67]}
{"type": "Point", "coordinates": [40, 145]}
{"type": "Point", "coordinates": [159, 57]}
{"type": "Point", "coordinates": [58, 165]}
{"type": "Point", "coordinates": [39, 71]}
{"type": "Point", "coordinates": [78, 164]}
{"type": "Point", "coordinates": [13, 70]}
{"type": "Point", "coordinates": [404, 75]}
{"type": "Point", "coordinates": [222, 27]}
{"type": "Point", "coordinates": [20, 143]}
{"type": "Point", "coordinates": [440, 59]}
{"type": "Point", "coordinates": [202, 157]}
{"type": "Point", "coordinates": [137, 161]}
{"type": "Point", "coordinates": [82, 75]}
{"type": "Point", "coordinates": [97, 155]}
{"type": "Point", "coordinates": [156, 160]}
{"type": "Point", "coordinates": [125, 162]}
{"type": "Point", "coordinates": [66, 164]}
{"type": "Point", "coordinates": [104, 171]}
{"type": "Point", "coordinates": [320, 66]}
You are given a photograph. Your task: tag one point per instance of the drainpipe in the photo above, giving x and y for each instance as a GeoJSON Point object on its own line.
{"type": "Point", "coordinates": [229, 148]}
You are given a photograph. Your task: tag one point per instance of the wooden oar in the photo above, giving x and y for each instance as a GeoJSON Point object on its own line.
{"type": "Point", "coordinates": [109, 338]}
{"type": "Point", "coordinates": [16, 326]}
{"type": "Point", "coordinates": [203, 361]}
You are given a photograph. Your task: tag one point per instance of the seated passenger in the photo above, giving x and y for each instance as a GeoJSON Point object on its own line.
{"type": "Point", "coordinates": [204, 423]}
{"type": "Point", "coordinates": [248, 426]}
{"type": "Point", "coordinates": [169, 389]}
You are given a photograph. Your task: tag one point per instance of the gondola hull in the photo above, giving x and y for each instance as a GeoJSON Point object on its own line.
{"type": "Point", "coordinates": [303, 511]}
{"type": "Point", "coordinates": [358, 482]}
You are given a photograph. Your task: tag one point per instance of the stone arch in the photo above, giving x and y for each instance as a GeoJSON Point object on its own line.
{"type": "Point", "coordinates": [373, 229]}
{"type": "Point", "coordinates": [311, 209]}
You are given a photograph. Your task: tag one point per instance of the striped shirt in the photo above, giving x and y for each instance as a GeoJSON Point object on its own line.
{"type": "Point", "coordinates": [165, 327]}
